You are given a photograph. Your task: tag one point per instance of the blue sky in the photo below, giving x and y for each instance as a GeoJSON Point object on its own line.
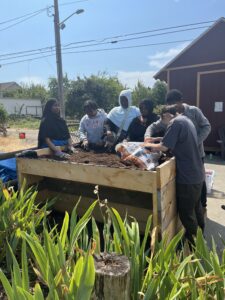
{"type": "Point", "coordinates": [101, 19]}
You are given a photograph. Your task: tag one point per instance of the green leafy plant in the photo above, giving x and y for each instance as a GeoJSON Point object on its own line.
{"type": "Point", "coordinates": [159, 270]}
{"type": "Point", "coordinates": [63, 263]}
{"type": "Point", "coordinates": [18, 213]}
{"type": "Point", "coordinates": [59, 263]}
{"type": "Point", "coordinates": [19, 288]}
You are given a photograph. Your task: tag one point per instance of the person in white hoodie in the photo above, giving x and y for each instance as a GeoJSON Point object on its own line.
{"type": "Point", "coordinates": [91, 126]}
{"type": "Point", "coordinates": [120, 118]}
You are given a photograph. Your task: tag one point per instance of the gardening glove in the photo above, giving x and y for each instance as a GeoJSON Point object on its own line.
{"type": "Point", "coordinates": [85, 145]}
{"type": "Point", "coordinates": [61, 154]}
{"type": "Point", "coordinates": [71, 150]}
{"type": "Point", "coordinates": [110, 141]}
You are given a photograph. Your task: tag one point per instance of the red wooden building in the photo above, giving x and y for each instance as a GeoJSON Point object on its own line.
{"type": "Point", "coordinates": [199, 73]}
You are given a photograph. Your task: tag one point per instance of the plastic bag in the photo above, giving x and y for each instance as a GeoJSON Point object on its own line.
{"type": "Point", "coordinates": [139, 156]}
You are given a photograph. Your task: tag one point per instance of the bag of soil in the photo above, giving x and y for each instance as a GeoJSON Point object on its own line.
{"type": "Point", "coordinates": [137, 155]}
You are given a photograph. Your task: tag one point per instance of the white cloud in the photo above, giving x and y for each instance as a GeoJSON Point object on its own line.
{"type": "Point", "coordinates": [160, 59]}
{"type": "Point", "coordinates": [131, 78]}
{"type": "Point", "coordinates": [156, 62]}
{"type": "Point", "coordinates": [32, 79]}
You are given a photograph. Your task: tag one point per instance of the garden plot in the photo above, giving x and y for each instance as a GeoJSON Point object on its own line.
{"type": "Point", "coordinates": [153, 191]}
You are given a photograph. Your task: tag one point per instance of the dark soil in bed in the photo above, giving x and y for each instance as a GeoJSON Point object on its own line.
{"type": "Point", "coordinates": [91, 157]}
{"type": "Point", "coordinates": [98, 158]}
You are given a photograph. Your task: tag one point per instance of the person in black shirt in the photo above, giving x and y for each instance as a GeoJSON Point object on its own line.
{"type": "Point", "coordinates": [138, 126]}
{"type": "Point", "coordinates": [53, 130]}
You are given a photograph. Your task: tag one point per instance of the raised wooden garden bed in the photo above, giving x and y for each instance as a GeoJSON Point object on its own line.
{"type": "Point", "coordinates": [131, 191]}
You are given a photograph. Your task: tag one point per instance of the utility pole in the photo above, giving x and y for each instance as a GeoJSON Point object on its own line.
{"type": "Point", "coordinates": [59, 59]}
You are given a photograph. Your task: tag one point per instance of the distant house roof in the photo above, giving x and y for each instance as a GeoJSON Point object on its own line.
{"type": "Point", "coordinates": [184, 53]}
{"type": "Point", "coordinates": [9, 86]}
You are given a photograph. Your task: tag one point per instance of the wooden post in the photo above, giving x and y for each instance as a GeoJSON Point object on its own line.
{"type": "Point", "coordinates": [112, 278]}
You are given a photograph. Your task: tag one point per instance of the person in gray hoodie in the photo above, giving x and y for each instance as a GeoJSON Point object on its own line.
{"type": "Point", "coordinates": [200, 122]}
{"type": "Point", "coordinates": [91, 126]}
{"type": "Point", "coordinates": [157, 130]}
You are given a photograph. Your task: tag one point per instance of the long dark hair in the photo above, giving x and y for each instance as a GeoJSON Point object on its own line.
{"type": "Point", "coordinates": [48, 107]}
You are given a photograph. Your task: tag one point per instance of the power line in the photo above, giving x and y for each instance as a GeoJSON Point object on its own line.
{"type": "Point", "coordinates": [72, 2]}
{"type": "Point", "coordinates": [51, 48]}
{"type": "Point", "coordinates": [23, 16]}
{"type": "Point", "coordinates": [12, 25]}
{"type": "Point", "coordinates": [96, 44]}
{"type": "Point", "coordinates": [27, 51]}
{"type": "Point", "coordinates": [149, 31]}
{"type": "Point", "coordinates": [127, 47]}
{"type": "Point", "coordinates": [97, 50]}
{"type": "Point", "coordinates": [134, 38]}
{"type": "Point", "coordinates": [39, 10]}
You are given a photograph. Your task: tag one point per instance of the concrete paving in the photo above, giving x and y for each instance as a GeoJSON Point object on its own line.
{"type": "Point", "coordinates": [215, 222]}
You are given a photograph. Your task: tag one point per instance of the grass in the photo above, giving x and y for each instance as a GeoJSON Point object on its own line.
{"type": "Point", "coordinates": [31, 123]}
{"type": "Point", "coordinates": [23, 122]}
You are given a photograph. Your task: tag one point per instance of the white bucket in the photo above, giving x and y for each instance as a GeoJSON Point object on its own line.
{"type": "Point", "coordinates": [209, 176]}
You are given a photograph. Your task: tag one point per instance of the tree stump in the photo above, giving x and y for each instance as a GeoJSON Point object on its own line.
{"type": "Point", "coordinates": [112, 277]}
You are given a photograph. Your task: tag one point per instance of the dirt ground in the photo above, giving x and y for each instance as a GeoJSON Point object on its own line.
{"type": "Point", "coordinates": [12, 142]}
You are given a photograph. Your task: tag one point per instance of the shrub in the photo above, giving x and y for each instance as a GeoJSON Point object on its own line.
{"type": "Point", "coordinates": [18, 213]}
{"type": "Point", "coordinates": [3, 115]}
{"type": "Point", "coordinates": [158, 269]}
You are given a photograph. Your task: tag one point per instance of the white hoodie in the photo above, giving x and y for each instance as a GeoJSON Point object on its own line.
{"type": "Point", "coordinates": [116, 115]}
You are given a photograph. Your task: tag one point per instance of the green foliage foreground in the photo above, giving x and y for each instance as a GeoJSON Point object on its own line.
{"type": "Point", "coordinates": [59, 264]}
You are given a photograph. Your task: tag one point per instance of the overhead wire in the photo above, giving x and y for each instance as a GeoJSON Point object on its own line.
{"type": "Point", "coordinates": [148, 31]}
{"type": "Point", "coordinates": [23, 16]}
{"type": "Point", "coordinates": [21, 21]}
{"type": "Point", "coordinates": [39, 10]}
{"type": "Point", "coordinates": [96, 50]}
{"type": "Point", "coordinates": [72, 2]}
{"type": "Point", "coordinates": [87, 44]}
{"type": "Point", "coordinates": [127, 47]}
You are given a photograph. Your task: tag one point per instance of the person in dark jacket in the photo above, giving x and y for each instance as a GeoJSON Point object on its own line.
{"type": "Point", "coordinates": [53, 130]}
{"type": "Point", "coordinates": [138, 126]}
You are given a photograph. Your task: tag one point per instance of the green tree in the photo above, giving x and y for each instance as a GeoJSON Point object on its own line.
{"type": "Point", "coordinates": [102, 88]}
{"type": "Point", "coordinates": [29, 91]}
{"type": "Point", "coordinates": [53, 87]}
{"type": "Point", "coordinates": [140, 92]}
{"type": "Point", "coordinates": [158, 92]}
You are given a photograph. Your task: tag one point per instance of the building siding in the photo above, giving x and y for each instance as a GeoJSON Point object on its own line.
{"type": "Point", "coordinates": [27, 106]}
